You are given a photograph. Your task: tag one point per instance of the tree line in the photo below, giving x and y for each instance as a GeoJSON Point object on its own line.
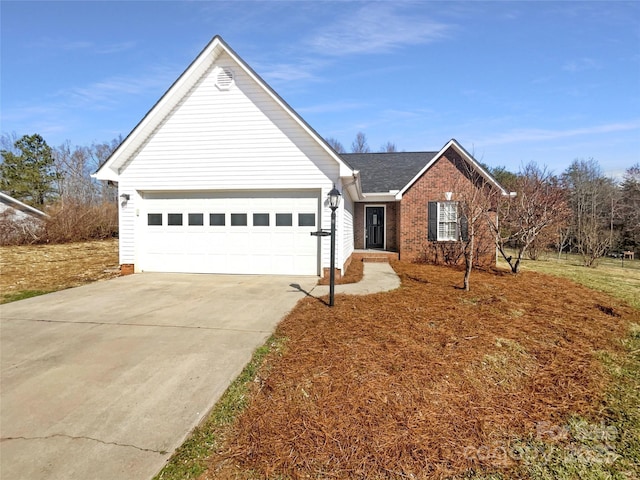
{"type": "Point", "coordinates": [579, 210]}
{"type": "Point", "coordinates": [57, 180]}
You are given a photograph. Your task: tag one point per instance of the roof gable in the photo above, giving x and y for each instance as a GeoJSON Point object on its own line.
{"type": "Point", "coordinates": [111, 169]}
{"type": "Point", "coordinates": [387, 172]}
{"type": "Point", "coordinates": [453, 143]}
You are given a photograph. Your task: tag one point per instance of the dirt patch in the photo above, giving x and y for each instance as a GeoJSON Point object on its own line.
{"type": "Point", "coordinates": [405, 384]}
{"type": "Point", "coordinates": [55, 267]}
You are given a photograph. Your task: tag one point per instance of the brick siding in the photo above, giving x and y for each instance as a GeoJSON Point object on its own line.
{"type": "Point", "coordinates": [446, 175]}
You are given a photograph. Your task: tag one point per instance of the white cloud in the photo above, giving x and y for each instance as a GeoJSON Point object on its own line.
{"type": "Point", "coordinates": [287, 72]}
{"type": "Point", "coordinates": [114, 90]}
{"type": "Point", "coordinates": [331, 107]}
{"type": "Point", "coordinates": [375, 28]}
{"type": "Point", "coordinates": [83, 45]}
{"type": "Point", "coordinates": [537, 135]}
{"type": "Point", "coordinates": [580, 65]}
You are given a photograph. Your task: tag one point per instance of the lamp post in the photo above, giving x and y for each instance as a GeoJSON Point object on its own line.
{"type": "Point", "coordinates": [334, 201]}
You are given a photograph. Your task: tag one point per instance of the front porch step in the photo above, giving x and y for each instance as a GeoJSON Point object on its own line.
{"type": "Point", "coordinates": [374, 256]}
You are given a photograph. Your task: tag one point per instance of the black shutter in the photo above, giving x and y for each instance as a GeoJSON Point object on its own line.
{"type": "Point", "coordinates": [464, 227]}
{"type": "Point", "coordinates": [433, 222]}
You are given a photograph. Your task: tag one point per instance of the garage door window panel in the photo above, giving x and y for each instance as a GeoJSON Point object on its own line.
{"type": "Point", "coordinates": [196, 219]}
{"type": "Point", "coordinates": [174, 219]}
{"type": "Point", "coordinates": [217, 219]}
{"type": "Point", "coordinates": [284, 220]}
{"type": "Point", "coordinates": [306, 219]}
{"type": "Point", "coordinates": [238, 219]}
{"type": "Point", "coordinates": [260, 219]}
{"type": "Point", "coordinates": [154, 219]}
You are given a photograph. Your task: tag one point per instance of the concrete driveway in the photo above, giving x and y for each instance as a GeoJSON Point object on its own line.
{"type": "Point", "coordinates": [105, 381]}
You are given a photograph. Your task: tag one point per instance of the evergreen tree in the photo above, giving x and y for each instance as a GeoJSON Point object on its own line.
{"type": "Point", "coordinates": [28, 173]}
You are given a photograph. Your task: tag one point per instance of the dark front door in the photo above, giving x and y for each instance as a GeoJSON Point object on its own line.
{"type": "Point", "coordinates": [375, 227]}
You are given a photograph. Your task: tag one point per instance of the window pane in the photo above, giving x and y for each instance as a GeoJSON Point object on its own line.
{"type": "Point", "coordinates": [196, 219]}
{"type": "Point", "coordinates": [284, 219]}
{"type": "Point", "coordinates": [174, 219]}
{"type": "Point", "coordinates": [154, 219]}
{"type": "Point", "coordinates": [239, 219]}
{"type": "Point", "coordinates": [307, 219]}
{"type": "Point", "coordinates": [448, 221]}
{"type": "Point", "coordinates": [216, 219]}
{"type": "Point", "coordinates": [260, 219]}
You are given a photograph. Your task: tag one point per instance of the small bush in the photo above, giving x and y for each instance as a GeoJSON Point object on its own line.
{"type": "Point", "coordinates": [67, 222]}
{"type": "Point", "coordinates": [76, 222]}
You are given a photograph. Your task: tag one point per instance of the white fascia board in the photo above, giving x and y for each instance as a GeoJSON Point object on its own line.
{"type": "Point", "coordinates": [352, 184]}
{"type": "Point", "coordinates": [379, 197]}
{"type": "Point", "coordinates": [465, 155]}
{"type": "Point", "coordinates": [105, 174]}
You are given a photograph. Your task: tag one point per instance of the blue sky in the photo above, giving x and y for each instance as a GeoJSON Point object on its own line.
{"type": "Point", "coordinates": [512, 81]}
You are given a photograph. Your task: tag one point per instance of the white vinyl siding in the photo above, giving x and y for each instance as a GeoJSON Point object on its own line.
{"type": "Point", "coordinates": [347, 207]}
{"type": "Point", "coordinates": [447, 221]}
{"type": "Point", "coordinates": [232, 139]}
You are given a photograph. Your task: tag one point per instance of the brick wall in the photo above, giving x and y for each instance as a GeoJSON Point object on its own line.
{"type": "Point", "coordinates": [446, 175]}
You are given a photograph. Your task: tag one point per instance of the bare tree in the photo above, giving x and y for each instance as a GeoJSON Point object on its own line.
{"type": "Point", "coordinates": [563, 237]}
{"type": "Point", "coordinates": [590, 198]}
{"type": "Point", "coordinates": [475, 198]}
{"type": "Point", "coordinates": [630, 208]}
{"type": "Point", "coordinates": [335, 144]}
{"type": "Point", "coordinates": [360, 145]}
{"type": "Point", "coordinates": [75, 182]}
{"type": "Point", "coordinates": [537, 209]}
{"type": "Point", "coordinates": [388, 147]}
{"type": "Point", "coordinates": [474, 206]}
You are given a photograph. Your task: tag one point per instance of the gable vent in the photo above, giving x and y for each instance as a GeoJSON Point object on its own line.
{"type": "Point", "coordinates": [224, 78]}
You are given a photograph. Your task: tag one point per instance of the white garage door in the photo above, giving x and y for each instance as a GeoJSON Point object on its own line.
{"type": "Point", "coordinates": [234, 232]}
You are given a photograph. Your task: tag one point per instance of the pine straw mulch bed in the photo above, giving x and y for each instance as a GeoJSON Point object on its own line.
{"type": "Point", "coordinates": [402, 384]}
{"type": "Point", "coordinates": [55, 267]}
{"type": "Point", "coordinates": [354, 273]}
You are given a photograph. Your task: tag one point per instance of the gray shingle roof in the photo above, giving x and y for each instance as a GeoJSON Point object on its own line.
{"type": "Point", "coordinates": [381, 172]}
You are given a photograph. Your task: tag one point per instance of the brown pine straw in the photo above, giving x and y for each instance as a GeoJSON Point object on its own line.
{"type": "Point", "coordinates": [398, 384]}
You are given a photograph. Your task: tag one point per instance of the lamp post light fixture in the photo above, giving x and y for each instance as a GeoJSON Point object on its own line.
{"type": "Point", "coordinates": [334, 201]}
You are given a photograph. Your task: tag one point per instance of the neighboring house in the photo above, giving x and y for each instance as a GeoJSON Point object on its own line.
{"type": "Point", "coordinates": [19, 211]}
{"type": "Point", "coordinates": [18, 220]}
{"type": "Point", "coordinates": [223, 176]}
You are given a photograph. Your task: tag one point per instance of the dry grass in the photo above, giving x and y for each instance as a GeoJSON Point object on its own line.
{"type": "Point", "coordinates": [404, 384]}
{"type": "Point", "coordinates": [47, 268]}
{"type": "Point", "coordinates": [612, 276]}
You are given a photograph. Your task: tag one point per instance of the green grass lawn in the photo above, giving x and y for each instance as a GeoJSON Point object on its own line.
{"type": "Point", "coordinates": [613, 276]}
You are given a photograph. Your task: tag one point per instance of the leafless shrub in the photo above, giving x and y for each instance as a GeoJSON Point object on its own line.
{"type": "Point", "coordinates": [442, 253]}
{"type": "Point", "coordinates": [15, 230]}
{"type": "Point", "coordinates": [77, 221]}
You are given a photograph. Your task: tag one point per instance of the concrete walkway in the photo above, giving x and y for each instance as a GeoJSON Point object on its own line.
{"type": "Point", "coordinates": [378, 277]}
{"type": "Point", "coordinates": [105, 381]}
